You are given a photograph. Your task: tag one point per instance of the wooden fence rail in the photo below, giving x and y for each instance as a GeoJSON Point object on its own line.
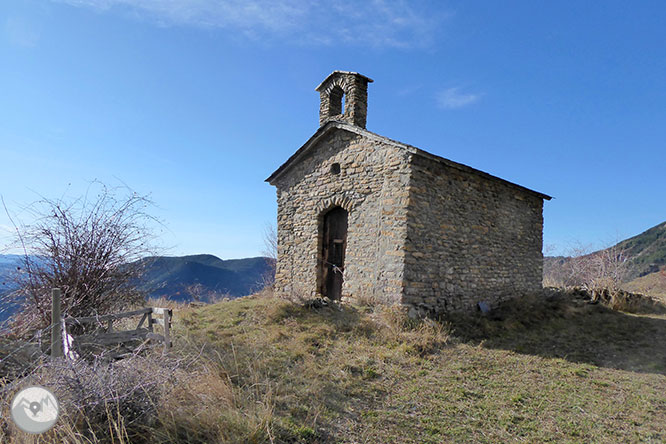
{"type": "Point", "coordinates": [105, 335]}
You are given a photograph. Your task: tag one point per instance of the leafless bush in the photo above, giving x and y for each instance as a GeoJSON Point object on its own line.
{"type": "Point", "coordinates": [97, 397]}
{"type": "Point", "coordinates": [271, 254]}
{"type": "Point", "coordinates": [598, 271]}
{"type": "Point", "coordinates": [88, 247]}
{"type": "Point", "coordinates": [199, 293]}
{"type": "Point", "coordinates": [184, 396]}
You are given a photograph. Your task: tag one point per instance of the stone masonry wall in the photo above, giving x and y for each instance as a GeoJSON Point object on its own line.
{"type": "Point", "coordinates": [373, 186]}
{"type": "Point", "coordinates": [469, 239]}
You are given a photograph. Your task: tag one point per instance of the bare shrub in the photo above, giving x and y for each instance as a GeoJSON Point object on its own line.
{"type": "Point", "coordinates": [271, 254]}
{"type": "Point", "coordinates": [200, 293]}
{"type": "Point", "coordinates": [599, 271]}
{"type": "Point", "coordinates": [89, 247]}
{"type": "Point", "coordinates": [194, 394]}
{"type": "Point", "coordinates": [552, 272]}
{"type": "Point", "coordinates": [270, 242]}
{"type": "Point", "coordinates": [596, 271]}
{"type": "Point", "coordinates": [99, 401]}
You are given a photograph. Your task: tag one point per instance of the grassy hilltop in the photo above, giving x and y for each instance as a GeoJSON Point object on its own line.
{"type": "Point", "coordinates": [541, 369]}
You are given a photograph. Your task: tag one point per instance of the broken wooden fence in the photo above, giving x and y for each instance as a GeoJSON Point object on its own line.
{"type": "Point", "coordinates": [105, 337]}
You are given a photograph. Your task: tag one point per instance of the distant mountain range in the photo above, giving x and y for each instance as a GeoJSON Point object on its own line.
{"type": "Point", "coordinates": [203, 276]}
{"type": "Point", "coordinates": [8, 264]}
{"type": "Point", "coordinates": [186, 278]}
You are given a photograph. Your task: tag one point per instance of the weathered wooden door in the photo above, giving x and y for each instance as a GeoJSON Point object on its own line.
{"type": "Point", "coordinates": [333, 252]}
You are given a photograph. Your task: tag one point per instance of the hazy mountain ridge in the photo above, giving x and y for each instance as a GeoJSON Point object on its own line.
{"type": "Point", "coordinates": [176, 277]}
{"type": "Point", "coordinates": [182, 278]}
{"type": "Point", "coordinates": [8, 264]}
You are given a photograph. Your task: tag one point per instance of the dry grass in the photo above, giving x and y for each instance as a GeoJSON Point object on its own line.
{"type": "Point", "coordinates": [541, 369]}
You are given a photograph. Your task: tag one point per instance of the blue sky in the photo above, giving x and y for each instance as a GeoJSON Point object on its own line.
{"type": "Point", "coordinates": [196, 102]}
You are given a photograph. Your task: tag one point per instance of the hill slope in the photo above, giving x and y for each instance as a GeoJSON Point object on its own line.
{"type": "Point", "coordinates": [646, 251]}
{"type": "Point", "coordinates": [187, 277]}
{"type": "Point", "coordinates": [653, 284]}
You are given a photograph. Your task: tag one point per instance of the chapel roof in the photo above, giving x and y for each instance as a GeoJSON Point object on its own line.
{"type": "Point", "coordinates": [334, 124]}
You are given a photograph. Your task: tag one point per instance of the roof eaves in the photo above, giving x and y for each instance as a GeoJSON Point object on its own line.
{"type": "Point", "coordinates": [412, 149]}
{"type": "Point", "coordinates": [469, 169]}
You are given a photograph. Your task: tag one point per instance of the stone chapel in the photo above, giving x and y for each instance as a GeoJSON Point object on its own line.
{"type": "Point", "coordinates": [361, 215]}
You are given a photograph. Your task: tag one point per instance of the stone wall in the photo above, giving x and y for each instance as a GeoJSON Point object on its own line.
{"type": "Point", "coordinates": [373, 186]}
{"type": "Point", "coordinates": [469, 238]}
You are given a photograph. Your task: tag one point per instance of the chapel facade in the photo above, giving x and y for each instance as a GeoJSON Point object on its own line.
{"type": "Point", "coordinates": [361, 215]}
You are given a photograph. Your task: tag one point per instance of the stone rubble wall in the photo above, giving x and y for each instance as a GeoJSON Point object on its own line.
{"type": "Point", "coordinates": [469, 239]}
{"type": "Point", "coordinates": [373, 185]}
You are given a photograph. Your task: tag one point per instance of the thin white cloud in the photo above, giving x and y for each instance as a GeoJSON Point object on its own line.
{"type": "Point", "coordinates": [20, 32]}
{"type": "Point", "coordinates": [408, 90]}
{"type": "Point", "coordinates": [454, 98]}
{"type": "Point", "coordinates": [376, 23]}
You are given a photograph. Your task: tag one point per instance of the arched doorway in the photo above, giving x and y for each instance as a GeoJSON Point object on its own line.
{"type": "Point", "coordinates": [334, 243]}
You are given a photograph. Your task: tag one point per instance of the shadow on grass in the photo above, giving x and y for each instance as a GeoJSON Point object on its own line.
{"type": "Point", "coordinates": [568, 326]}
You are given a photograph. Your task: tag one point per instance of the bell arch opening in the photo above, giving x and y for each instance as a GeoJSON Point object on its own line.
{"type": "Point", "coordinates": [337, 101]}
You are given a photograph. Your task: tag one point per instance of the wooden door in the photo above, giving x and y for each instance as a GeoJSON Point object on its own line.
{"type": "Point", "coordinates": [333, 252]}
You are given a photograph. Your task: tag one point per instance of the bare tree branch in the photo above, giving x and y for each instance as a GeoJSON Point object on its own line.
{"type": "Point", "coordinates": [596, 271]}
{"type": "Point", "coordinates": [88, 247]}
{"type": "Point", "coordinates": [271, 253]}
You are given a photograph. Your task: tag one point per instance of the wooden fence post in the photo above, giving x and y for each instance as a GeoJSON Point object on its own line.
{"type": "Point", "coordinates": [168, 314]}
{"type": "Point", "coordinates": [56, 324]}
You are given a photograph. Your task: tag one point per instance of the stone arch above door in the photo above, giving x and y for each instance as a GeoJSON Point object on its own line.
{"type": "Point", "coordinates": [338, 200]}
